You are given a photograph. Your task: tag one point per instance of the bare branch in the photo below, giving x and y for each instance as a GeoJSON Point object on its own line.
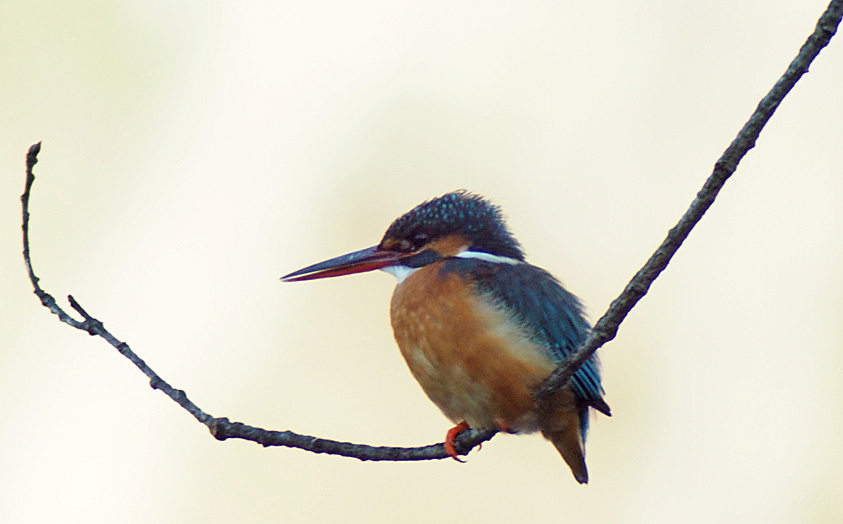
{"type": "Point", "coordinates": [607, 327]}
{"type": "Point", "coordinates": [46, 299]}
{"type": "Point", "coordinates": [222, 428]}
{"type": "Point", "coordinates": [604, 330]}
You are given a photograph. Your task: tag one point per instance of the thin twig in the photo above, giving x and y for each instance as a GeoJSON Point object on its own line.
{"type": "Point", "coordinates": [46, 299]}
{"type": "Point", "coordinates": [221, 427]}
{"type": "Point", "coordinates": [607, 327]}
{"type": "Point", "coordinates": [604, 330]}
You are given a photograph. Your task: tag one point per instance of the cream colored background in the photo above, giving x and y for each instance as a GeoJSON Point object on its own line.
{"type": "Point", "coordinates": [195, 152]}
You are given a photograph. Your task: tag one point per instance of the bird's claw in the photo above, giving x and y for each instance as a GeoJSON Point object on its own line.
{"type": "Point", "coordinates": [449, 440]}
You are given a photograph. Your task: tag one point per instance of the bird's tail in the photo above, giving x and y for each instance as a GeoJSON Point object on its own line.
{"type": "Point", "coordinates": [570, 446]}
{"type": "Point", "coordinates": [562, 425]}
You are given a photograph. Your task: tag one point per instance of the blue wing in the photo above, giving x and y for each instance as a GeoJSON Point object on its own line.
{"type": "Point", "coordinates": [552, 314]}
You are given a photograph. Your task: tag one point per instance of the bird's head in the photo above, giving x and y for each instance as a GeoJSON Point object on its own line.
{"type": "Point", "coordinates": [458, 224]}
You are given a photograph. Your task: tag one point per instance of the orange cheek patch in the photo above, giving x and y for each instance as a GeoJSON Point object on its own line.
{"type": "Point", "coordinates": [450, 245]}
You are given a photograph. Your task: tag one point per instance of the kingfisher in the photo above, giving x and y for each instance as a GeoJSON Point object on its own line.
{"type": "Point", "coordinates": [479, 327]}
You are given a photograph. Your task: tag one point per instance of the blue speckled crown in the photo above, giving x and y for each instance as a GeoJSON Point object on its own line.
{"type": "Point", "coordinates": [460, 213]}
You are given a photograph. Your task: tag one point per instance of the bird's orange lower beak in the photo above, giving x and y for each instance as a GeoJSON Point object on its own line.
{"type": "Point", "coordinates": [361, 261]}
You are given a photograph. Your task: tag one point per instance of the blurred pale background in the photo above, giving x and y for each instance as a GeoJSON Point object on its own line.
{"type": "Point", "coordinates": [193, 153]}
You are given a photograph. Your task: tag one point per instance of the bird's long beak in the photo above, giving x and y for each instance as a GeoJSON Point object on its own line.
{"type": "Point", "coordinates": [357, 262]}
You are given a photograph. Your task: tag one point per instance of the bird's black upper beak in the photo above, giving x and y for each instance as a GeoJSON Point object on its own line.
{"type": "Point", "coordinates": [361, 261]}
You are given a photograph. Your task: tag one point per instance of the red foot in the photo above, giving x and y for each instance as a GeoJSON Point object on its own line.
{"type": "Point", "coordinates": [449, 440]}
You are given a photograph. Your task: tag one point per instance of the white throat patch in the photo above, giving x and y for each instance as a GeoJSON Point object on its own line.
{"type": "Point", "coordinates": [399, 272]}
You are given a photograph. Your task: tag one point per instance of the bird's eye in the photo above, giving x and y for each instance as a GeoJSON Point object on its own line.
{"type": "Point", "coordinates": [405, 245]}
{"type": "Point", "coordinates": [412, 243]}
{"type": "Point", "coordinates": [419, 239]}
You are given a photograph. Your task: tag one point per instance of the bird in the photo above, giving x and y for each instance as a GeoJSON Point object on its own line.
{"type": "Point", "coordinates": [479, 327]}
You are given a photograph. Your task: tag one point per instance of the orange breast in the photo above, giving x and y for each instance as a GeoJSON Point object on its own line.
{"type": "Point", "coordinates": [470, 357]}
